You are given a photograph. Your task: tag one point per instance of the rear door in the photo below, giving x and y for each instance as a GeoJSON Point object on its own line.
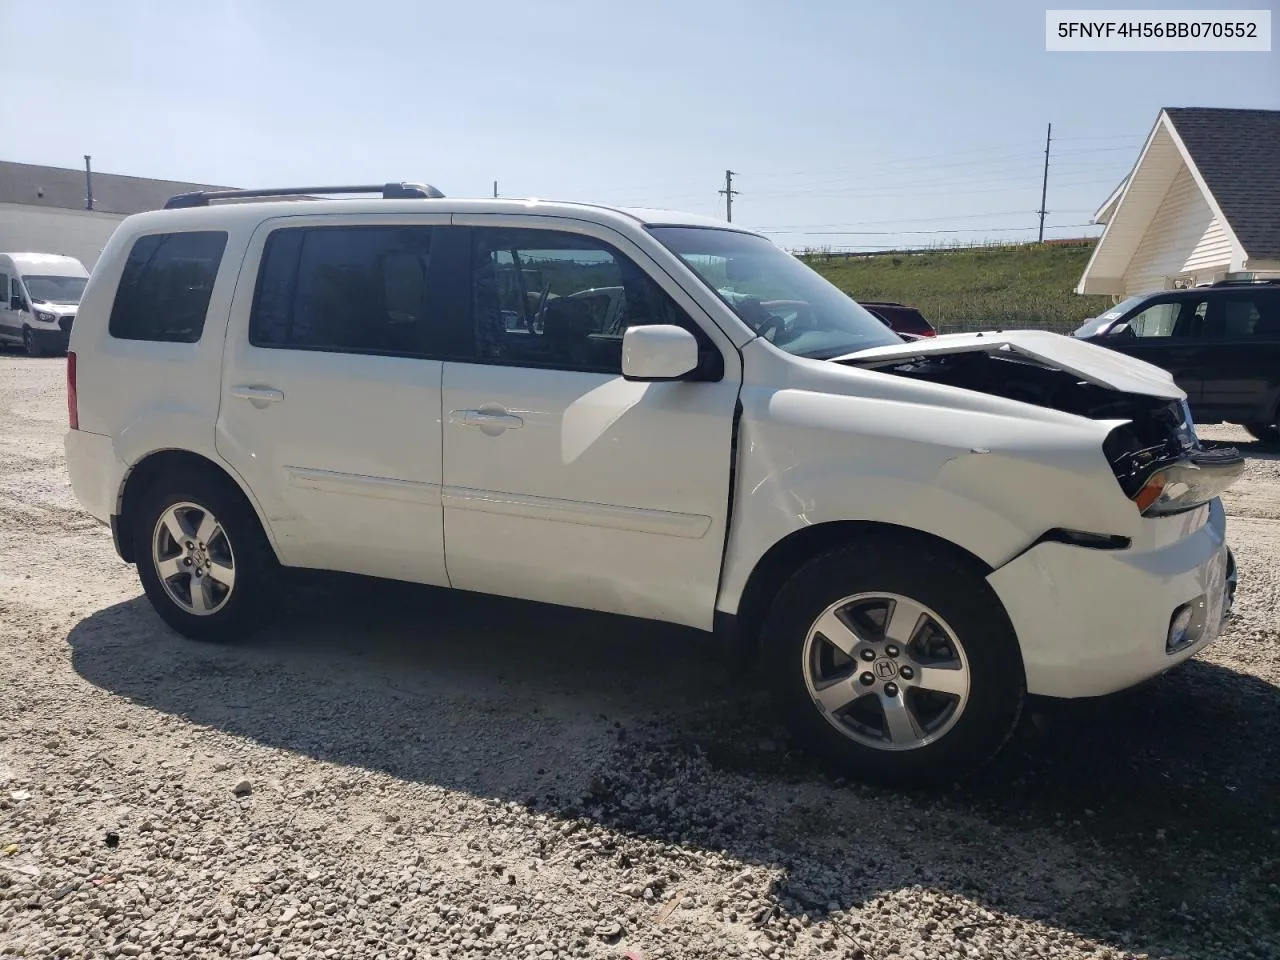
{"type": "Point", "coordinates": [1241, 354]}
{"type": "Point", "coordinates": [330, 404]}
{"type": "Point", "coordinates": [1167, 331]}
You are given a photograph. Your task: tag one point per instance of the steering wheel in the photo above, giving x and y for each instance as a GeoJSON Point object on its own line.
{"type": "Point", "coordinates": [535, 322]}
{"type": "Point", "coordinates": [771, 325]}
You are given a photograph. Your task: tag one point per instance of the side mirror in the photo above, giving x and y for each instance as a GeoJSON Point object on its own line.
{"type": "Point", "coordinates": [15, 303]}
{"type": "Point", "coordinates": [658, 352]}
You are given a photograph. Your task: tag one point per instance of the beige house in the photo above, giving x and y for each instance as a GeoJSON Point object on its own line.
{"type": "Point", "coordinates": [1201, 203]}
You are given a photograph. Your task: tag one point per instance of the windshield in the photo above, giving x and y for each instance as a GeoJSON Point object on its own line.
{"type": "Point", "coordinates": [54, 289]}
{"type": "Point", "coordinates": [775, 294]}
{"type": "Point", "coordinates": [1102, 320]}
{"type": "Point", "coordinates": [1091, 326]}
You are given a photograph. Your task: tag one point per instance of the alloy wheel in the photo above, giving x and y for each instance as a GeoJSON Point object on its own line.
{"type": "Point", "coordinates": [193, 559]}
{"type": "Point", "coordinates": [886, 671]}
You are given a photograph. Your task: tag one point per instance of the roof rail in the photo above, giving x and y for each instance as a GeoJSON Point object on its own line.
{"type": "Point", "coordinates": [389, 191]}
{"type": "Point", "coordinates": [1245, 281]}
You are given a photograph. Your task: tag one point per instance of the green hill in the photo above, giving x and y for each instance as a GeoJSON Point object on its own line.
{"type": "Point", "coordinates": [967, 288]}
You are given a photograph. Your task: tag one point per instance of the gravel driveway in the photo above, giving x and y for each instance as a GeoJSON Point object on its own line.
{"type": "Point", "coordinates": [402, 772]}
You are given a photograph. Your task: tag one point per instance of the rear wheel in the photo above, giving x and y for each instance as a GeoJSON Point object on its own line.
{"type": "Point", "coordinates": [202, 557]}
{"type": "Point", "coordinates": [895, 662]}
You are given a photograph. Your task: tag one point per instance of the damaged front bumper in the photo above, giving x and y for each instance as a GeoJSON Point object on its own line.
{"type": "Point", "coordinates": [1091, 622]}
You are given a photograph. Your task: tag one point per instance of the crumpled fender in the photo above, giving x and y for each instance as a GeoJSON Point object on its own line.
{"type": "Point", "coordinates": [988, 482]}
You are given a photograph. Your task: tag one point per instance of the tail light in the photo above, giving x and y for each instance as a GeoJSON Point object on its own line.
{"type": "Point", "coordinates": [73, 401]}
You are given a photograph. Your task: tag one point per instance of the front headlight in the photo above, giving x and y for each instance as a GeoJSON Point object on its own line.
{"type": "Point", "coordinates": [1189, 482]}
{"type": "Point", "coordinates": [46, 317]}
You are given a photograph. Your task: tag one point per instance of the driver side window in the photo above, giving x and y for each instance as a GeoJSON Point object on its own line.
{"type": "Point", "coordinates": [1171, 318]}
{"type": "Point", "coordinates": [1155, 321]}
{"type": "Point", "coordinates": [543, 298]}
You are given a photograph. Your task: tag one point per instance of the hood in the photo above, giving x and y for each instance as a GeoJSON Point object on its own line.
{"type": "Point", "coordinates": [60, 309]}
{"type": "Point", "coordinates": [1089, 362]}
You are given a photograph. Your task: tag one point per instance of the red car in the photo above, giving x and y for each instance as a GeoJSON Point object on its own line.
{"type": "Point", "coordinates": [900, 318]}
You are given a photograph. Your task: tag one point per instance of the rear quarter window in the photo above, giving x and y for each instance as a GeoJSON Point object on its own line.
{"type": "Point", "coordinates": [165, 287]}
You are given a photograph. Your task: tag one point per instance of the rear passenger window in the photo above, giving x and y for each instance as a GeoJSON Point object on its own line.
{"type": "Point", "coordinates": [346, 290]}
{"type": "Point", "coordinates": [1250, 316]}
{"type": "Point", "coordinates": [165, 288]}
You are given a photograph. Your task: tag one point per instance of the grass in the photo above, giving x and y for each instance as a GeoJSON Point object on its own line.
{"type": "Point", "coordinates": [967, 288]}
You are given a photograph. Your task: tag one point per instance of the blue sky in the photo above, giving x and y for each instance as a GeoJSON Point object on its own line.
{"type": "Point", "coordinates": [848, 123]}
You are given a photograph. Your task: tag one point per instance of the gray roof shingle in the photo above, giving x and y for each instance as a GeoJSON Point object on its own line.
{"type": "Point", "coordinates": [1238, 154]}
{"type": "Point", "coordinates": [63, 187]}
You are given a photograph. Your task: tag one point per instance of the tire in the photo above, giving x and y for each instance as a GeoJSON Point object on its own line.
{"type": "Point", "coordinates": [231, 611]}
{"type": "Point", "coordinates": [964, 643]}
{"type": "Point", "coordinates": [29, 343]}
{"type": "Point", "coordinates": [1266, 432]}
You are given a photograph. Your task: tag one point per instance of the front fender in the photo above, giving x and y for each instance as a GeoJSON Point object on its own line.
{"type": "Point", "coordinates": [989, 483]}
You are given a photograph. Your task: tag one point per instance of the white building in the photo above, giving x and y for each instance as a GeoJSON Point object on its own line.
{"type": "Point", "coordinates": [1202, 202]}
{"type": "Point", "coordinates": [46, 209]}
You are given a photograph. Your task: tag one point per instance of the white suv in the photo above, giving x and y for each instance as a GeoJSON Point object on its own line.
{"type": "Point", "coordinates": [651, 414]}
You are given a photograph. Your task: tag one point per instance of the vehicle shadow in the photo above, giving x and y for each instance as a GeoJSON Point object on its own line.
{"type": "Point", "coordinates": [1146, 821]}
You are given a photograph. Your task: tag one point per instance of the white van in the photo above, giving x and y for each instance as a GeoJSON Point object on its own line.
{"type": "Point", "coordinates": [41, 293]}
{"type": "Point", "coordinates": [650, 414]}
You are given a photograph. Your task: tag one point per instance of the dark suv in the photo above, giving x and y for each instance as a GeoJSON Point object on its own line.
{"type": "Point", "coordinates": [1220, 342]}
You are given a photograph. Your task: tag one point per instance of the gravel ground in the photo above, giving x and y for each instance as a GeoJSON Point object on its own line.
{"type": "Point", "coordinates": [401, 772]}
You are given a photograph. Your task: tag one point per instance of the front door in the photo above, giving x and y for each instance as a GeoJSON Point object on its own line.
{"type": "Point", "coordinates": [10, 319]}
{"type": "Point", "coordinates": [330, 403]}
{"type": "Point", "coordinates": [1167, 332]}
{"type": "Point", "coordinates": [564, 482]}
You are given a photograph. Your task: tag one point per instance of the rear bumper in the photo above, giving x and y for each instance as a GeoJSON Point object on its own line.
{"type": "Point", "coordinates": [1091, 622]}
{"type": "Point", "coordinates": [94, 471]}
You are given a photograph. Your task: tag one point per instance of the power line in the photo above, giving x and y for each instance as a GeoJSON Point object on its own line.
{"type": "Point", "coordinates": [792, 227]}
{"type": "Point", "coordinates": [903, 164]}
{"type": "Point", "coordinates": [1109, 136]}
{"type": "Point", "coordinates": [900, 233]}
{"type": "Point", "coordinates": [1010, 186]}
{"type": "Point", "coordinates": [865, 186]}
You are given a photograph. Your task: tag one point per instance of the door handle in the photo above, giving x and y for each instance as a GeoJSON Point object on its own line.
{"type": "Point", "coordinates": [258, 396]}
{"type": "Point", "coordinates": [487, 420]}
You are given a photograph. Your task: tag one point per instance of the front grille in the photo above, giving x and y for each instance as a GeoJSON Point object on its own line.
{"type": "Point", "coordinates": [65, 323]}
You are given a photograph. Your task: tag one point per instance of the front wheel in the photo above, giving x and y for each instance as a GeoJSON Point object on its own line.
{"type": "Point", "coordinates": [30, 344]}
{"type": "Point", "coordinates": [203, 560]}
{"type": "Point", "coordinates": [1260, 430]}
{"type": "Point", "coordinates": [896, 662]}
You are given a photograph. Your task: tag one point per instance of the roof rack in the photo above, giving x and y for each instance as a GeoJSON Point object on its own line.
{"type": "Point", "coordinates": [389, 191]}
{"type": "Point", "coordinates": [1245, 281]}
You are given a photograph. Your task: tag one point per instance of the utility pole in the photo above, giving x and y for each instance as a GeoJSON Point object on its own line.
{"type": "Point", "coordinates": [88, 183]}
{"type": "Point", "coordinates": [495, 189]}
{"type": "Point", "coordinates": [1044, 184]}
{"type": "Point", "coordinates": [729, 194]}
